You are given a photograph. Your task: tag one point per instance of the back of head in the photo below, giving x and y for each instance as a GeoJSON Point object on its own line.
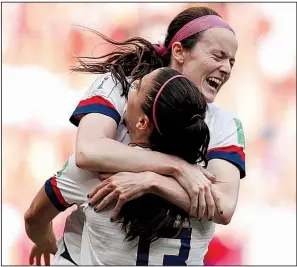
{"type": "Point", "coordinates": [178, 111]}
{"type": "Point", "coordinates": [180, 108]}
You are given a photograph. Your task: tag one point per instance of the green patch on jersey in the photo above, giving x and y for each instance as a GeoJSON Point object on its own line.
{"type": "Point", "coordinates": [64, 167]}
{"type": "Point", "coordinates": [240, 133]}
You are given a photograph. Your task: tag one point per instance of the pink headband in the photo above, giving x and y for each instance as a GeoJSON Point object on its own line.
{"type": "Point", "coordinates": [193, 27]}
{"type": "Point", "coordinates": [156, 98]}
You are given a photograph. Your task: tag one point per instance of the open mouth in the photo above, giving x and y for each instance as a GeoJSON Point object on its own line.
{"type": "Point", "coordinates": [214, 82]}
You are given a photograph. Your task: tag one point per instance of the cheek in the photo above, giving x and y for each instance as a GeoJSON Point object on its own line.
{"type": "Point", "coordinates": [193, 70]}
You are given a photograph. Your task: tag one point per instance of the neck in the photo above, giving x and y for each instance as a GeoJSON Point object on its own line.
{"type": "Point", "coordinates": [137, 140]}
{"type": "Point", "coordinates": [139, 145]}
{"type": "Point", "coordinates": [173, 65]}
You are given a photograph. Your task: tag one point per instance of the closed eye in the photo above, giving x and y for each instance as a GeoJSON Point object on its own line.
{"type": "Point", "coordinates": [222, 55]}
{"type": "Point", "coordinates": [218, 56]}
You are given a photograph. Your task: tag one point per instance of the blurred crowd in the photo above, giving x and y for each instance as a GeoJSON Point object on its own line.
{"type": "Point", "coordinates": [39, 45]}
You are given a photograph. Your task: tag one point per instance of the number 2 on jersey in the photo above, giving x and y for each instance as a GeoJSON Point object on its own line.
{"type": "Point", "coordinates": [168, 260]}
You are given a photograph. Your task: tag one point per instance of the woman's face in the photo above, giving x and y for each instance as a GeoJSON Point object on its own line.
{"type": "Point", "coordinates": [209, 64]}
{"type": "Point", "coordinates": [134, 113]}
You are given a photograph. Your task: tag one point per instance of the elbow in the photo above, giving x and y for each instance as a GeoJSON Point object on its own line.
{"type": "Point", "coordinates": [86, 160]}
{"type": "Point", "coordinates": [81, 160]}
{"type": "Point", "coordinates": [226, 218]}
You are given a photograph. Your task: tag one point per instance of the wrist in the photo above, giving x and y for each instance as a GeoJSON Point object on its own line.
{"type": "Point", "coordinates": [159, 184]}
{"type": "Point", "coordinates": [154, 183]}
{"type": "Point", "coordinates": [47, 237]}
{"type": "Point", "coordinates": [179, 169]}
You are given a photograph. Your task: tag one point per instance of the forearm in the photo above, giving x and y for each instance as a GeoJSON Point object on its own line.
{"type": "Point", "coordinates": [108, 155]}
{"type": "Point", "coordinates": [40, 233]}
{"type": "Point", "coordinates": [226, 187]}
{"type": "Point", "coordinates": [38, 219]}
{"type": "Point", "coordinates": [170, 190]}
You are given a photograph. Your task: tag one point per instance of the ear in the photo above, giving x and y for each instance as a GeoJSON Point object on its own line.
{"type": "Point", "coordinates": [178, 52]}
{"type": "Point", "coordinates": [143, 123]}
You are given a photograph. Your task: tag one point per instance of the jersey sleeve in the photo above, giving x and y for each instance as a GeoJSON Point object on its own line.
{"type": "Point", "coordinates": [104, 97]}
{"type": "Point", "coordinates": [228, 143]}
{"type": "Point", "coordinates": [54, 193]}
{"type": "Point", "coordinates": [68, 187]}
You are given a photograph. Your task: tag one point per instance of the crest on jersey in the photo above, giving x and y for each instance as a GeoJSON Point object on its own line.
{"type": "Point", "coordinates": [240, 133]}
{"type": "Point", "coordinates": [100, 89]}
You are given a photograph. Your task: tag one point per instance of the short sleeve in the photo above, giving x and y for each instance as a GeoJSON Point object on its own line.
{"type": "Point", "coordinates": [228, 142]}
{"type": "Point", "coordinates": [69, 186]}
{"type": "Point", "coordinates": [104, 97]}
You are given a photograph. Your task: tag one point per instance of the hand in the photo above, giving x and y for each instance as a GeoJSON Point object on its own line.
{"type": "Point", "coordinates": [123, 186]}
{"type": "Point", "coordinates": [45, 250]}
{"type": "Point", "coordinates": [198, 183]}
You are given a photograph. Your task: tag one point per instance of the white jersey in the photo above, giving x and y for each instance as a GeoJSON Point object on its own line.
{"type": "Point", "coordinates": [226, 132]}
{"type": "Point", "coordinates": [226, 137]}
{"type": "Point", "coordinates": [103, 96]}
{"type": "Point", "coordinates": [103, 242]}
{"type": "Point", "coordinates": [226, 142]}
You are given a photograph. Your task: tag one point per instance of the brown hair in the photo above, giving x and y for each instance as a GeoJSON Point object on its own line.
{"type": "Point", "coordinates": [180, 113]}
{"type": "Point", "coordinates": [136, 56]}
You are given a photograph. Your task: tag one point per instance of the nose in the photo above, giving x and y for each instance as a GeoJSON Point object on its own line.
{"type": "Point", "coordinates": [226, 67]}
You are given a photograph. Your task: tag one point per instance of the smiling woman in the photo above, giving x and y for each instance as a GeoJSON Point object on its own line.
{"type": "Point", "coordinates": [210, 61]}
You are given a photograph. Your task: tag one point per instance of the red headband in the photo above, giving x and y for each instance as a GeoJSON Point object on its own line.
{"type": "Point", "coordinates": [193, 27]}
{"type": "Point", "coordinates": [156, 98]}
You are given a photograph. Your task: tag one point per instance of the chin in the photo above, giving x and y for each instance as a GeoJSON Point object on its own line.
{"type": "Point", "coordinates": [209, 97]}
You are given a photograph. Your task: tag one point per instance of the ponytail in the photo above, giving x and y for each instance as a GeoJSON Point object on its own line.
{"type": "Point", "coordinates": [133, 58]}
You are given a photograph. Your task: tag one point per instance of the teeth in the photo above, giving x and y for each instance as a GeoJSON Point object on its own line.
{"type": "Point", "coordinates": [217, 81]}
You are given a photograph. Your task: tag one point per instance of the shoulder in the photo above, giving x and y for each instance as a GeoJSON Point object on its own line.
{"type": "Point", "coordinates": [217, 113]}
{"type": "Point", "coordinates": [104, 85]}
{"type": "Point", "coordinates": [220, 118]}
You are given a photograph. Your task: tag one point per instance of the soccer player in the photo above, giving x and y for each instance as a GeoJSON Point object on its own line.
{"type": "Point", "coordinates": [155, 123]}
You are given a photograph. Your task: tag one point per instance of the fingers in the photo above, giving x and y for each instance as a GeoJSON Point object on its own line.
{"type": "Point", "coordinates": [31, 257]}
{"type": "Point", "coordinates": [202, 204]}
{"type": "Point", "coordinates": [98, 192]}
{"type": "Point", "coordinates": [95, 189]}
{"type": "Point", "coordinates": [105, 201]}
{"type": "Point", "coordinates": [38, 260]}
{"type": "Point", "coordinates": [207, 174]}
{"type": "Point", "coordinates": [133, 194]}
{"type": "Point", "coordinates": [217, 201]}
{"type": "Point", "coordinates": [194, 204]}
{"type": "Point", "coordinates": [46, 257]}
{"type": "Point", "coordinates": [121, 201]}
{"type": "Point", "coordinates": [104, 176]}
{"type": "Point", "coordinates": [210, 204]}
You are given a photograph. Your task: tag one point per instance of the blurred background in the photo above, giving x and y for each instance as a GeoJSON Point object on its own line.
{"type": "Point", "coordinates": [39, 42]}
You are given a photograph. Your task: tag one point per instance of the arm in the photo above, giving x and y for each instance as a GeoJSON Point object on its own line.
{"type": "Point", "coordinates": [97, 116]}
{"type": "Point", "coordinates": [226, 189]}
{"type": "Point", "coordinates": [97, 151]}
{"type": "Point", "coordinates": [57, 194]}
{"type": "Point", "coordinates": [226, 161]}
{"type": "Point", "coordinates": [38, 219]}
